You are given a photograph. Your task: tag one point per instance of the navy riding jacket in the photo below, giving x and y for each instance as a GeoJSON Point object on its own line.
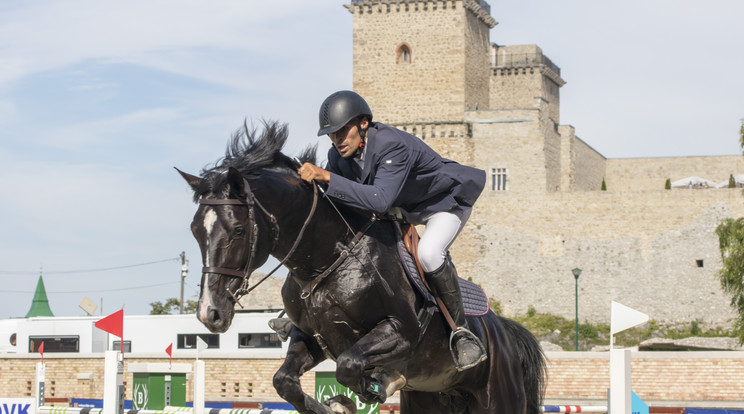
{"type": "Point", "coordinates": [400, 170]}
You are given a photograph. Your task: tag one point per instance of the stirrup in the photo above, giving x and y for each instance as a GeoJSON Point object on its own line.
{"type": "Point", "coordinates": [464, 333]}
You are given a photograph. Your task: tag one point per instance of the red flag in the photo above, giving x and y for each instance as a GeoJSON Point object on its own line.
{"type": "Point", "coordinates": [169, 351]}
{"type": "Point", "coordinates": [41, 351]}
{"type": "Point", "coordinates": [113, 324]}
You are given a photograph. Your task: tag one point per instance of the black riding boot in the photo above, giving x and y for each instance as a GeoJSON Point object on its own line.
{"type": "Point", "coordinates": [467, 350]}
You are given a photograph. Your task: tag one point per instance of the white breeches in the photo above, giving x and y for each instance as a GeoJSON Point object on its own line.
{"type": "Point", "coordinates": [441, 230]}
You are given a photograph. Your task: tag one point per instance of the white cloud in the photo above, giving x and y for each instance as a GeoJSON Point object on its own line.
{"type": "Point", "coordinates": [46, 35]}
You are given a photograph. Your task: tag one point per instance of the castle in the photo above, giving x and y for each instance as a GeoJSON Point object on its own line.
{"type": "Point", "coordinates": [552, 203]}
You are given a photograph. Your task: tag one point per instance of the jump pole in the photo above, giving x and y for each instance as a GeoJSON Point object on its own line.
{"type": "Point", "coordinates": [113, 383]}
{"type": "Point", "coordinates": [199, 386]}
{"type": "Point", "coordinates": [40, 374]}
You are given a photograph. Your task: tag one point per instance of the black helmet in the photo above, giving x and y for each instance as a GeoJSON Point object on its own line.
{"type": "Point", "coordinates": [340, 108]}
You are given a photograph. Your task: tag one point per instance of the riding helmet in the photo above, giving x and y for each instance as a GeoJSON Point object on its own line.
{"type": "Point", "coordinates": [340, 108]}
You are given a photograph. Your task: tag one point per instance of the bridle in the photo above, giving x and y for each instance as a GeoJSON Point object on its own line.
{"type": "Point", "coordinates": [250, 201]}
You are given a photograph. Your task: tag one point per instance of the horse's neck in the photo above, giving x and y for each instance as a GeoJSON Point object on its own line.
{"type": "Point", "coordinates": [327, 233]}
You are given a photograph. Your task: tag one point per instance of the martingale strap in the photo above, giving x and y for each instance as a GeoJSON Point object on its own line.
{"type": "Point", "coordinates": [308, 289]}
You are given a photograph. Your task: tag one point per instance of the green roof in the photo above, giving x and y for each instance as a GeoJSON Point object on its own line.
{"type": "Point", "coordinates": [40, 304]}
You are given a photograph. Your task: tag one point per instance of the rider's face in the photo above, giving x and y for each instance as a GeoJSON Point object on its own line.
{"type": "Point", "coordinates": [347, 139]}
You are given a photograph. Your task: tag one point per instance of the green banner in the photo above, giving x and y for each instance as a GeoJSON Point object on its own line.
{"type": "Point", "coordinates": [326, 387]}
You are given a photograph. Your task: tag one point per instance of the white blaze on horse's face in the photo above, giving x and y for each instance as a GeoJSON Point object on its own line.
{"type": "Point", "coordinates": [210, 218]}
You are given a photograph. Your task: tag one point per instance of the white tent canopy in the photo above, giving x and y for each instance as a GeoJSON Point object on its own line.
{"type": "Point", "coordinates": [695, 182]}
{"type": "Point", "coordinates": [738, 179]}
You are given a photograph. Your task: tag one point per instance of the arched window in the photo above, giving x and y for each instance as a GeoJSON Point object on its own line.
{"type": "Point", "coordinates": [403, 54]}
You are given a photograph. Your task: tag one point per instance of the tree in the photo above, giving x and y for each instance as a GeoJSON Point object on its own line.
{"type": "Point", "coordinates": [171, 306]}
{"type": "Point", "coordinates": [668, 184]}
{"type": "Point", "coordinates": [731, 241]}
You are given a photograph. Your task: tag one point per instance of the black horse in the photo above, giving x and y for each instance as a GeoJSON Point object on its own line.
{"type": "Point", "coordinates": [347, 295]}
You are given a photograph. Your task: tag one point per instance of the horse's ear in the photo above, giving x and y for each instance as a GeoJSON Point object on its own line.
{"type": "Point", "coordinates": [235, 178]}
{"type": "Point", "coordinates": [193, 180]}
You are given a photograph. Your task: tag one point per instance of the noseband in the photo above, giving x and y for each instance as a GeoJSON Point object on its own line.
{"type": "Point", "coordinates": [249, 202]}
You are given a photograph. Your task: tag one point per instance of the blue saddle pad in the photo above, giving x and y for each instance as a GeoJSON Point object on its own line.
{"type": "Point", "coordinates": [474, 300]}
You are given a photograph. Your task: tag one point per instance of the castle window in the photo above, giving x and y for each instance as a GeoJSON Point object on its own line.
{"type": "Point", "coordinates": [699, 263]}
{"type": "Point", "coordinates": [498, 179]}
{"type": "Point", "coordinates": [403, 54]}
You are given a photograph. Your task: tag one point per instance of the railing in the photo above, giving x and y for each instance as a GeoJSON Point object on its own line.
{"type": "Point", "coordinates": [518, 60]}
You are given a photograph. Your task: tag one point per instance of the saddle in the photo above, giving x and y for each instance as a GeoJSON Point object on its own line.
{"type": "Point", "coordinates": [474, 300]}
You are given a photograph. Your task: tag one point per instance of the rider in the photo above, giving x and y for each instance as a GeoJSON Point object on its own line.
{"type": "Point", "coordinates": [376, 167]}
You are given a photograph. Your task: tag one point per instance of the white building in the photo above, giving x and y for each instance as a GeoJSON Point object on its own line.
{"type": "Point", "coordinates": [150, 334]}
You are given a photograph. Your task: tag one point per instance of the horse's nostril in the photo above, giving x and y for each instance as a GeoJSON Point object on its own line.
{"type": "Point", "coordinates": [213, 315]}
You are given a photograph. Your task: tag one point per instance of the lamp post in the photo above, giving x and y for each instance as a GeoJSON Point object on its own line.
{"type": "Point", "coordinates": [577, 272]}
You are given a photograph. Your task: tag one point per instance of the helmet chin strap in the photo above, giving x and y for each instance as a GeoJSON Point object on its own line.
{"type": "Point", "coordinates": [363, 135]}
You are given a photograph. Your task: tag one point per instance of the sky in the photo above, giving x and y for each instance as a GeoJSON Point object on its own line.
{"type": "Point", "coordinates": [99, 100]}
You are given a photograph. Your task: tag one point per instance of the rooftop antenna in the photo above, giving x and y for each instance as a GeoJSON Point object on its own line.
{"type": "Point", "coordinates": [88, 306]}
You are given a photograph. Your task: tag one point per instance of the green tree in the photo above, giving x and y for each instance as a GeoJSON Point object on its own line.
{"type": "Point", "coordinates": [731, 240]}
{"type": "Point", "coordinates": [604, 185]}
{"type": "Point", "coordinates": [171, 306]}
{"type": "Point", "coordinates": [668, 184]}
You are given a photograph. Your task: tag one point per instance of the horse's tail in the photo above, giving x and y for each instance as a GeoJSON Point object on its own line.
{"type": "Point", "coordinates": [532, 360]}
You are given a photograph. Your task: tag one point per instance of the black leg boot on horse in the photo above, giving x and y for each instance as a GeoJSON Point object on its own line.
{"type": "Point", "coordinates": [467, 350]}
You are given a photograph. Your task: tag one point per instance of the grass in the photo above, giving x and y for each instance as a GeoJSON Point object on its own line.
{"type": "Point", "coordinates": [562, 331]}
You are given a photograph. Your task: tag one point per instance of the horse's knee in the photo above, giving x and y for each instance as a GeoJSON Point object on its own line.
{"type": "Point", "coordinates": [350, 367]}
{"type": "Point", "coordinates": [282, 380]}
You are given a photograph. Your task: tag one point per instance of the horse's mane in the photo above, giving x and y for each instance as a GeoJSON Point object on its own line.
{"type": "Point", "coordinates": [252, 153]}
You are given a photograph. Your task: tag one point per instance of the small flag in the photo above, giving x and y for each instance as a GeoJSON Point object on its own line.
{"type": "Point", "coordinates": [200, 346]}
{"type": "Point", "coordinates": [623, 317]}
{"type": "Point", "coordinates": [41, 351]}
{"type": "Point", "coordinates": [113, 324]}
{"type": "Point", "coordinates": [169, 351]}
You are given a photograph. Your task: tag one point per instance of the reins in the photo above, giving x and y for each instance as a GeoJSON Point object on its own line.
{"type": "Point", "coordinates": [249, 201]}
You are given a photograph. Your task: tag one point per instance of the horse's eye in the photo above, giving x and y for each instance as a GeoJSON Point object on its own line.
{"type": "Point", "coordinates": [239, 231]}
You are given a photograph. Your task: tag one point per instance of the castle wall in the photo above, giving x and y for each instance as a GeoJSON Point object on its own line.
{"type": "Point", "coordinates": [638, 244]}
{"type": "Point", "coordinates": [477, 62]}
{"type": "Point", "coordinates": [511, 139]}
{"type": "Point", "coordinates": [637, 248]}
{"type": "Point", "coordinates": [629, 174]}
{"type": "Point", "coordinates": [587, 166]}
{"type": "Point", "coordinates": [521, 74]}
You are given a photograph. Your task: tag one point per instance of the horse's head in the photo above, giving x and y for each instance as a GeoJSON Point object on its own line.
{"type": "Point", "coordinates": [235, 231]}
{"type": "Point", "coordinates": [226, 226]}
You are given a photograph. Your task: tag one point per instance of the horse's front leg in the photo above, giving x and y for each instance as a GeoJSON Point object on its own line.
{"type": "Point", "coordinates": [383, 345]}
{"type": "Point", "coordinates": [303, 354]}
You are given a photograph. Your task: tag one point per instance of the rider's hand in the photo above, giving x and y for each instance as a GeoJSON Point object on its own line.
{"type": "Point", "coordinates": [310, 172]}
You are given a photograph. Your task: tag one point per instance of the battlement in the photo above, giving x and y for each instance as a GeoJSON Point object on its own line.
{"type": "Point", "coordinates": [479, 7]}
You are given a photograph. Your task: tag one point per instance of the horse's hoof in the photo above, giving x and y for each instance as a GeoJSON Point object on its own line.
{"type": "Point", "coordinates": [341, 404]}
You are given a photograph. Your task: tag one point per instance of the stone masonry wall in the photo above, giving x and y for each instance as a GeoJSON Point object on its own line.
{"type": "Point", "coordinates": [638, 248]}
{"type": "Point", "coordinates": [630, 174]}
{"type": "Point", "coordinates": [662, 379]}
{"type": "Point", "coordinates": [588, 166]}
{"type": "Point", "coordinates": [511, 139]}
{"type": "Point", "coordinates": [432, 86]}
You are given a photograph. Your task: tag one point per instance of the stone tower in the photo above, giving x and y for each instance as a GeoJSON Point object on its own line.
{"type": "Point", "coordinates": [428, 67]}
{"type": "Point", "coordinates": [424, 61]}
